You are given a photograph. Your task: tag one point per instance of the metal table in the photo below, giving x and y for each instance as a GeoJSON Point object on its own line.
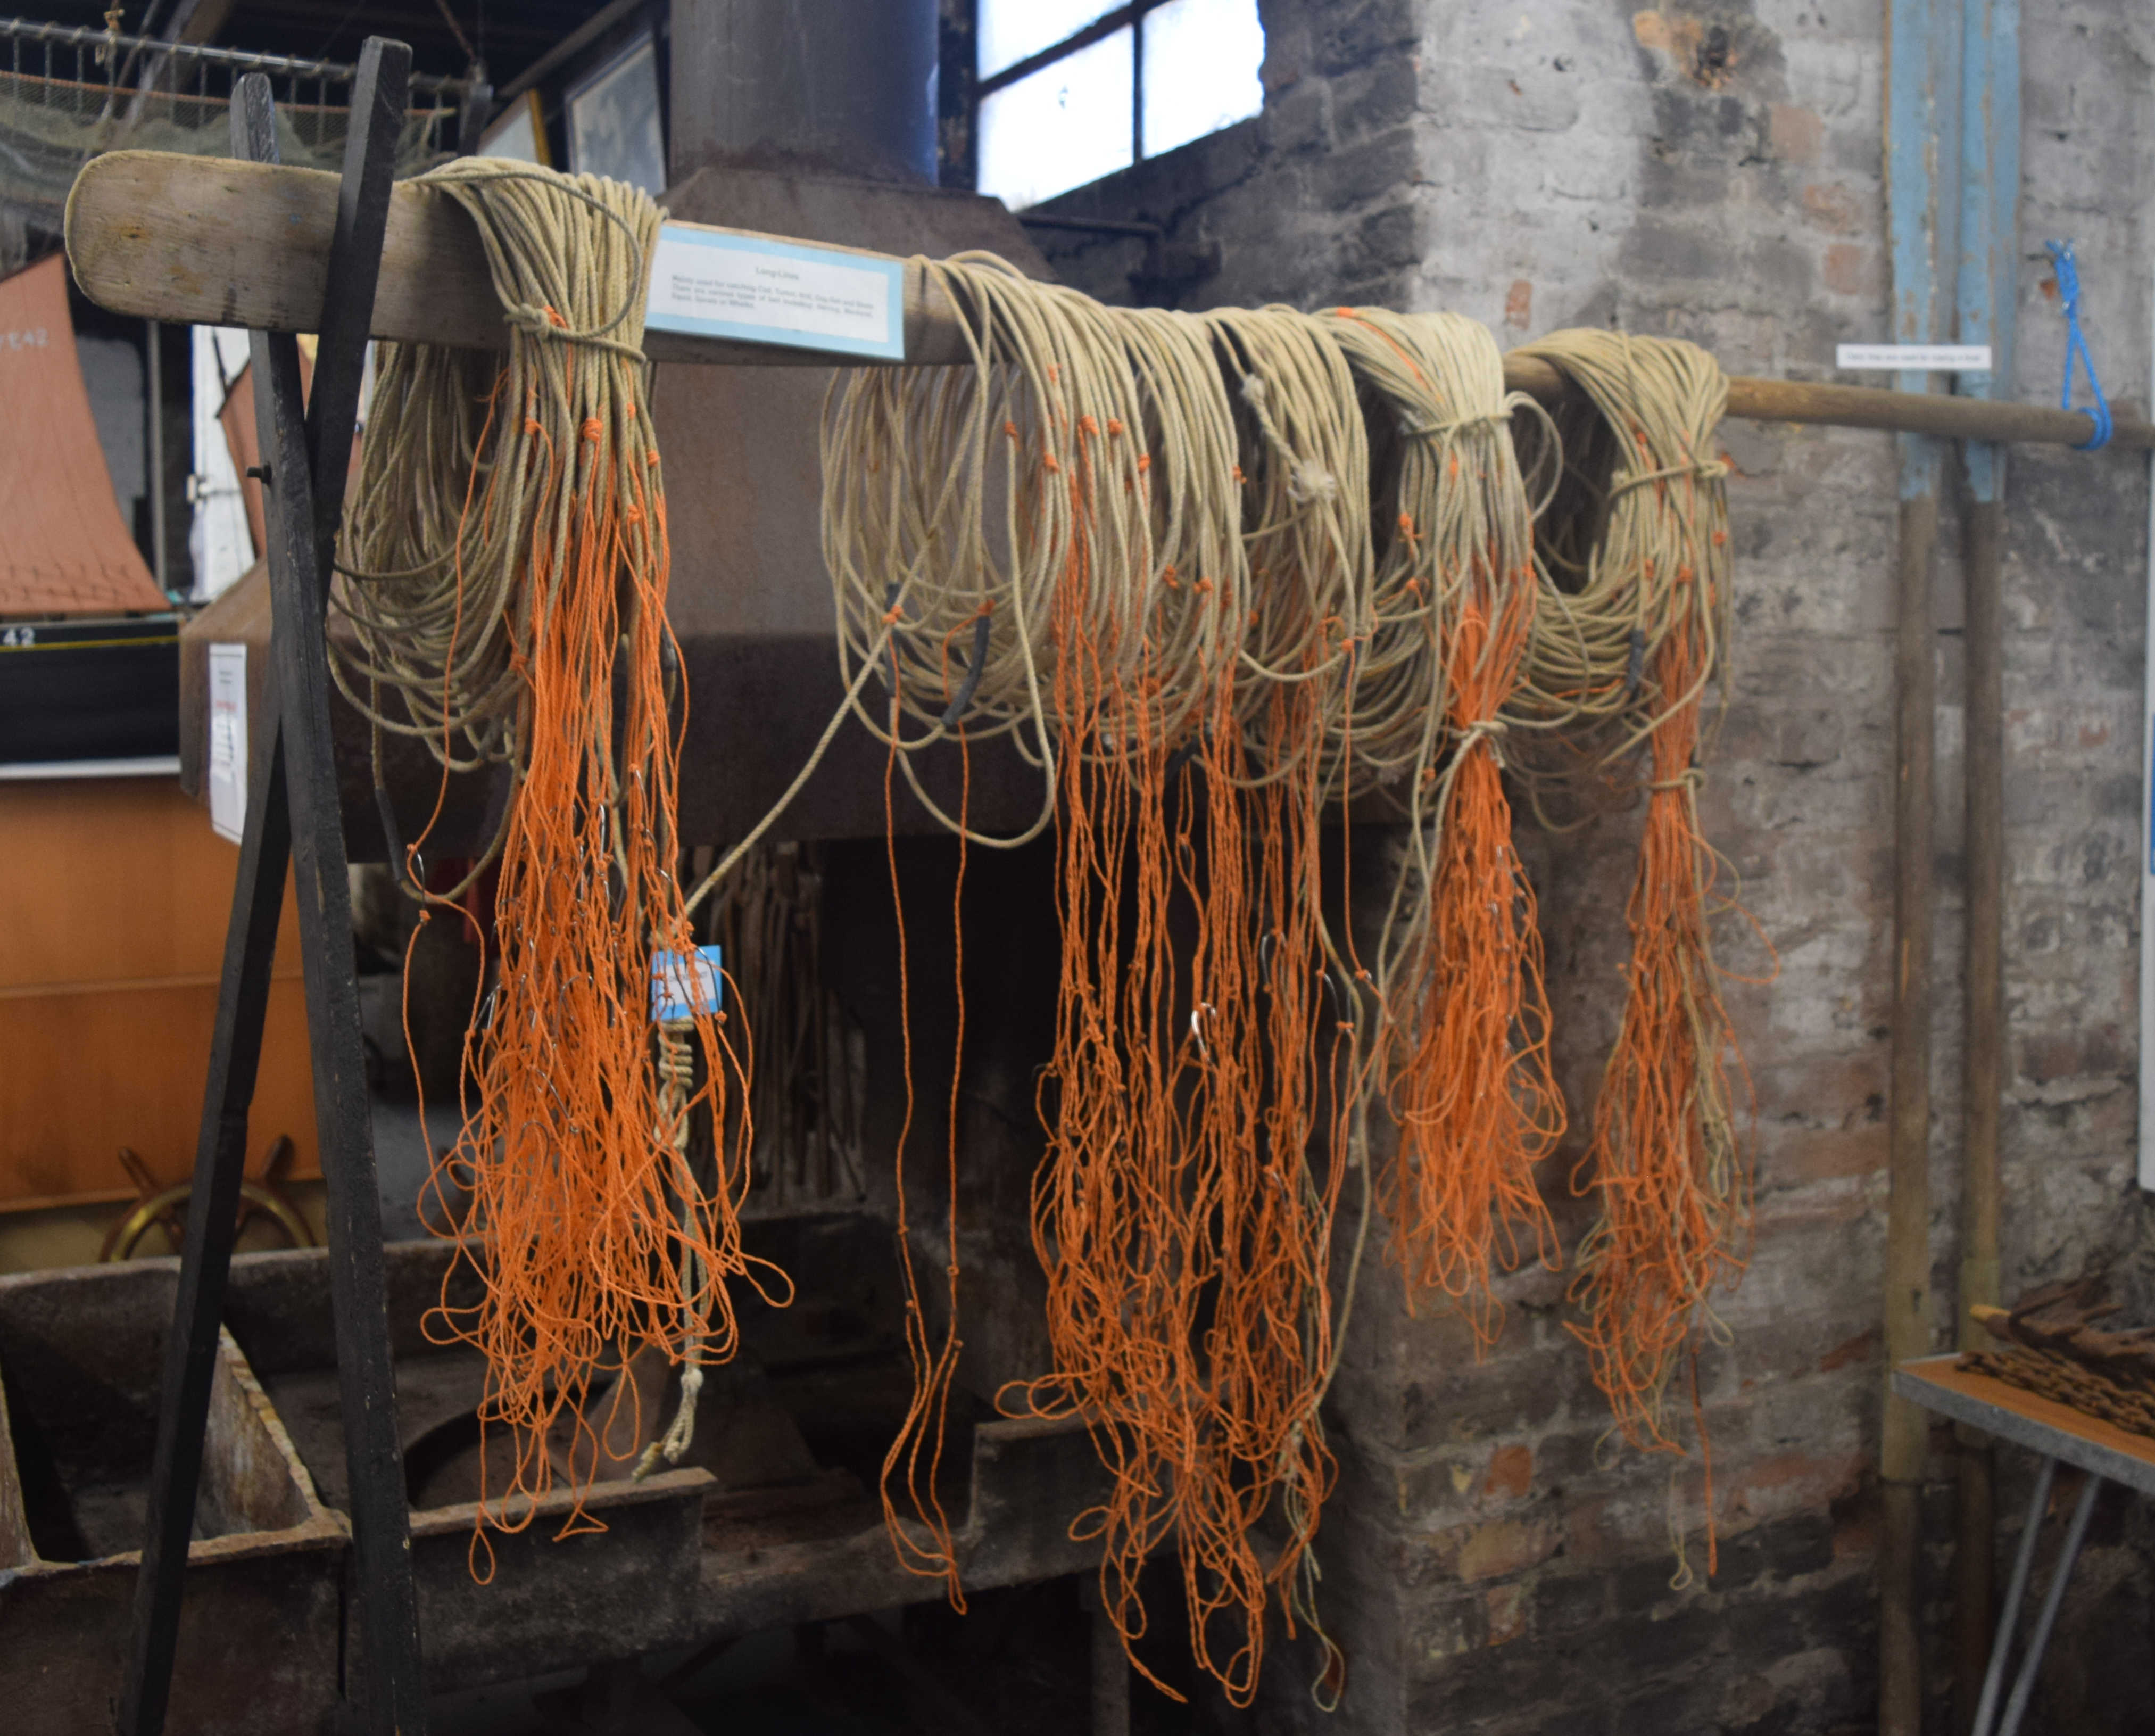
{"type": "Point", "coordinates": [2057, 1433]}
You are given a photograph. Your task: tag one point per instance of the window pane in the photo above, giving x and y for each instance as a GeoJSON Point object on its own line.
{"type": "Point", "coordinates": [1012, 30]}
{"type": "Point", "coordinates": [1067, 124]}
{"type": "Point", "coordinates": [1201, 60]}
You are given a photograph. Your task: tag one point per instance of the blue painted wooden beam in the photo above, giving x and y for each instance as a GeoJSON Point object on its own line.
{"type": "Point", "coordinates": [1988, 285]}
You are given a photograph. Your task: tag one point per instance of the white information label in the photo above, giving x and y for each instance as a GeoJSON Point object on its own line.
{"type": "Point", "coordinates": [227, 740]}
{"type": "Point", "coordinates": [1921, 358]}
{"type": "Point", "coordinates": [707, 282]}
{"type": "Point", "coordinates": [685, 984]}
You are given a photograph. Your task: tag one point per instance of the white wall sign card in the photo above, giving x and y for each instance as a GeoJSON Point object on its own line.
{"type": "Point", "coordinates": [707, 282]}
{"type": "Point", "coordinates": [1914, 358]}
{"type": "Point", "coordinates": [227, 740]}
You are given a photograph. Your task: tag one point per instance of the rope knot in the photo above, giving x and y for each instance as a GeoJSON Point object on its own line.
{"type": "Point", "coordinates": [1307, 482]}
{"type": "Point", "coordinates": [1458, 425]}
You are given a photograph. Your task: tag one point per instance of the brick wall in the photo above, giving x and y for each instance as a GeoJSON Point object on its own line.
{"type": "Point", "coordinates": [1714, 173]}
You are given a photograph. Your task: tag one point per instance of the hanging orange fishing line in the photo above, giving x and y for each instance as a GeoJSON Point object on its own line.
{"type": "Point", "coordinates": [522, 619]}
{"type": "Point", "coordinates": [1647, 615]}
{"type": "Point", "coordinates": [1185, 1239]}
{"type": "Point", "coordinates": [1459, 973]}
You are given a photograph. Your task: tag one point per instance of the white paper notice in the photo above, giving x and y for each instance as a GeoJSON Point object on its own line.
{"type": "Point", "coordinates": [227, 739]}
{"type": "Point", "coordinates": [709, 283]}
{"type": "Point", "coordinates": [1914, 358]}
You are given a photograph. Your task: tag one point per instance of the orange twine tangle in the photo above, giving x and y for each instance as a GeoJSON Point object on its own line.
{"type": "Point", "coordinates": [1460, 971]}
{"type": "Point", "coordinates": [1644, 521]}
{"type": "Point", "coordinates": [1188, 631]}
{"type": "Point", "coordinates": [1184, 1233]}
{"type": "Point", "coordinates": [522, 618]}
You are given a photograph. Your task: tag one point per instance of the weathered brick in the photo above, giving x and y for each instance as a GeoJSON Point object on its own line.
{"type": "Point", "coordinates": [1540, 163]}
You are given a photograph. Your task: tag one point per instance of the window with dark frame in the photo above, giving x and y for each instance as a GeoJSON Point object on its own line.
{"type": "Point", "coordinates": [1067, 91]}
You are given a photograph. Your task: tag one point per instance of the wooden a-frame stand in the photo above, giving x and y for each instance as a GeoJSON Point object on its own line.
{"type": "Point", "coordinates": [292, 814]}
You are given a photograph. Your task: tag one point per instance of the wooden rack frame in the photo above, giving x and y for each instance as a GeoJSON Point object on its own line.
{"type": "Point", "coordinates": [211, 242]}
{"type": "Point", "coordinates": [293, 815]}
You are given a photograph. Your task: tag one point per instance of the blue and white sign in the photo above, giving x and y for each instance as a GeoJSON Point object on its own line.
{"type": "Point", "coordinates": [711, 283]}
{"type": "Point", "coordinates": [685, 984]}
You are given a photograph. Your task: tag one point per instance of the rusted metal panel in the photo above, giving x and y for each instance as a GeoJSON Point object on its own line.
{"type": "Point", "coordinates": [781, 1534]}
{"type": "Point", "coordinates": [553, 1601]}
{"type": "Point", "coordinates": [259, 1633]}
{"type": "Point", "coordinates": [1029, 1480]}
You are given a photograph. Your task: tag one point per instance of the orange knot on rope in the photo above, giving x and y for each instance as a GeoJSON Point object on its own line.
{"type": "Point", "coordinates": [594, 429]}
{"type": "Point", "coordinates": [1047, 459]}
{"type": "Point", "coordinates": [1088, 425]}
{"type": "Point", "coordinates": [1144, 461]}
{"type": "Point", "coordinates": [1114, 425]}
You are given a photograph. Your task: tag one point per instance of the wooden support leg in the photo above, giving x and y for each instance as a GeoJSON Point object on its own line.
{"type": "Point", "coordinates": [292, 814]}
{"type": "Point", "coordinates": [250, 941]}
{"type": "Point", "coordinates": [1111, 1671]}
{"type": "Point", "coordinates": [1983, 1064]}
{"type": "Point", "coordinates": [1907, 1297]}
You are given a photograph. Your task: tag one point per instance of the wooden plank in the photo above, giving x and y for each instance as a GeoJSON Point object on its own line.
{"type": "Point", "coordinates": [209, 241]}
{"type": "Point", "coordinates": [292, 815]}
{"type": "Point", "coordinates": [213, 241]}
{"type": "Point", "coordinates": [2028, 1419]}
{"type": "Point", "coordinates": [389, 1683]}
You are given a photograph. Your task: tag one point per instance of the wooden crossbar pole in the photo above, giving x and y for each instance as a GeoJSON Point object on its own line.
{"type": "Point", "coordinates": [214, 241]}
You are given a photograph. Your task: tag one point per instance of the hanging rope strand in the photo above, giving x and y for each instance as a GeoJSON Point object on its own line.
{"type": "Point", "coordinates": [505, 562]}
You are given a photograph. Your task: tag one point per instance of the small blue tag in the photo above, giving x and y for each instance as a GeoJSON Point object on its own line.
{"type": "Point", "coordinates": [685, 984]}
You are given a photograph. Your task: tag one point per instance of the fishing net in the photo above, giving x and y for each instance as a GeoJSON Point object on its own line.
{"type": "Point", "coordinates": [57, 110]}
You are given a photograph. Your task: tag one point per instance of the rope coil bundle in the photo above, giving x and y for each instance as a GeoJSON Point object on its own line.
{"type": "Point", "coordinates": [1078, 490]}
{"type": "Point", "coordinates": [504, 569]}
{"type": "Point", "coordinates": [1040, 586]}
{"type": "Point", "coordinates": [1637, 638]}
{"type": "Point", "coordinates": [1461, 984]}
{"type": "Point", "coordinates": [1143, 549]}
